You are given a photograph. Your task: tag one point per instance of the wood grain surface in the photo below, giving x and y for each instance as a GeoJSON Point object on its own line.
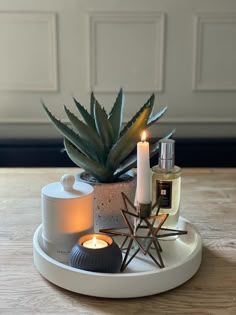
{"type": "Point", "coordinates": [208, 201]}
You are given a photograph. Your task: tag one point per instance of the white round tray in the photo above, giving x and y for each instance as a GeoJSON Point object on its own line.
{"type": "Point", "coordinates": [181, 256]}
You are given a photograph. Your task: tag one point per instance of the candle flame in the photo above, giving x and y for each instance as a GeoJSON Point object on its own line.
{"type": "Point", "coordinates": [94, 241]}
{"type": "Point", "coordinates": [143, 136]}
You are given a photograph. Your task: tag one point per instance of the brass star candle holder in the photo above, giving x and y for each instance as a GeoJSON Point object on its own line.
{"type": "Point", "coordinates": [144, 225]}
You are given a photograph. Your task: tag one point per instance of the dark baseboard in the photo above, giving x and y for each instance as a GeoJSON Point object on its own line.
{"type": "Point", "coordinates": [50, 153]}
{"type": "Point", "coordinates": [33, 153]}
{"type": "Point", "coordinates": [206, 152]}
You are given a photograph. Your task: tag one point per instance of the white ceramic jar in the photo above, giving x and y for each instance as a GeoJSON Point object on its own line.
{"type": "Point", "coordinates": [67, 214]}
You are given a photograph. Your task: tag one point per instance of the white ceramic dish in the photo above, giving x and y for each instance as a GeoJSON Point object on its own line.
{"type": "Point", "coordinates": [182, 258]}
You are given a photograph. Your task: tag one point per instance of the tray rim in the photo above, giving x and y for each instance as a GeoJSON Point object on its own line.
{"type": "Point", "coordinates": [49, 269]}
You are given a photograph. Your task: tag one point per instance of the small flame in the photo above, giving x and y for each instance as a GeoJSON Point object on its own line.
{"type": "Point", "coordinates": [144, 136]}
{"type": "Point", "coordinates": [94, 241]}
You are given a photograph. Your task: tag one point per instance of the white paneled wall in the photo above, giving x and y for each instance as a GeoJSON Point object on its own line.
{"type": "Point", "coordinates": [215, 52]}
{"type": "Point", "coordinates": [182, 50]}
{"type": "Point", "coordinates": [28, 52]}
{"type": "Point", "coordinates": [128, 49]}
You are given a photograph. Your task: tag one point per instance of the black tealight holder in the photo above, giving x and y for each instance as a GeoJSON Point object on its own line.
{"type": "Point", "coordinates": [107, 259]}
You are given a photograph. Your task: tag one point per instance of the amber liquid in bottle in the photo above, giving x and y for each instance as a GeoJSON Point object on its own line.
{"type": "Point", "coordinates": [166, 184]}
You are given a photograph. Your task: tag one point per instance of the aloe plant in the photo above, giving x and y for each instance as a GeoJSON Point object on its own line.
{"type": "Point", "coordinates": [98, 143]}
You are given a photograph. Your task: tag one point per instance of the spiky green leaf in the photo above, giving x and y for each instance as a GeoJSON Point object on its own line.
{"type": "Point", "coordinates": [93, 101]}
{"type": "Point", "coordinates": [92, 167]}
{"type": "Point", "coordinates": [169, 134]}
{"type": "Point", "coordinates": [88, 134]}
{"type": "Point", "coordinates": [128, 141]}
{"type": "Point", "coordinates": [149, 103]}
{"type": "Point", "coordinates": [153, 119]}
{"type": "Point", "coordinates": [126, 165]}
{"type": "Point", "coordinates": [103, 125]}
{"type": "Point", "coordinates": [88, 119]}
{"type": "Point", "coordinates": [116, 114]}
{"type": "Point", "coordinates": [71, 135]}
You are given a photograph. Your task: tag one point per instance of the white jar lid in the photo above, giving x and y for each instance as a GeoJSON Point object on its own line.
{"type": "Point", "coordinates": [66, 189]}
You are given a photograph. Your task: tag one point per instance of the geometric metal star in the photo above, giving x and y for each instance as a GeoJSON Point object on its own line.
{"type": "Point", "coordinates": [143, 242]}
{"type": "Point", "coordinates": [142, 232]}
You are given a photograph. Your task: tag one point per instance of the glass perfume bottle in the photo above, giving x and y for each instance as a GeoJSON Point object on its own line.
{"type": "Point", "coordinates": [166, 183]}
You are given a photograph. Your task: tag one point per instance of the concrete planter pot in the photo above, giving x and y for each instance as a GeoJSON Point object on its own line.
{"type": "Point", "coordinates": [108, 200]}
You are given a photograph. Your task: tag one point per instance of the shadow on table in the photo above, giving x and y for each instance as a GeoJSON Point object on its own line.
{"type": "Point", "coordinates": [212, 290]}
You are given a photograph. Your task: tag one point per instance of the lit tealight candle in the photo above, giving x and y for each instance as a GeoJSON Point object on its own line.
{"type": "Point", "coordinates": [95, 243]}
{"type": "Point", "coordinates": [143, 171]}
{"type": "Point", "coordinates": [96, 252]}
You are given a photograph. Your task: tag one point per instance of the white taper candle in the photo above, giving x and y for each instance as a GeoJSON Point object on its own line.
{"type": "Point", "coordinates": [143, 171]}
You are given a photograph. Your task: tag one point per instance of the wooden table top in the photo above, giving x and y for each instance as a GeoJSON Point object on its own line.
{"type": "Point", "coordinates": [208, 201]}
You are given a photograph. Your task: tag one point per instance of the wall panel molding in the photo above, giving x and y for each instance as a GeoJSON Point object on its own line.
{"type": "Point", "coordinates": [214, 67]}
{"type": "Point", "coordinates": [28, 51]}
{"type": "Point", "coordinates": [126, 37]}
{"type": "Point", "coordinates": [53, 50]}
